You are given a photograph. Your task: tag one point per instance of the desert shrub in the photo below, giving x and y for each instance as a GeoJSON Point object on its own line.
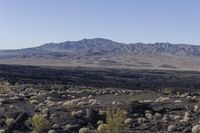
{"type": "Point", "coordinates": [168, 91]}
{"type": "Point", "coordinates": [39, 123]}
{"type": "Point", "coordinates": [198, 98]}
{"type": "Point", "coordinates": [16, 86]}
{"type": "Point", "coordinates": [5, 87]}
{"type": "Point", "coordinates": [114, 122]}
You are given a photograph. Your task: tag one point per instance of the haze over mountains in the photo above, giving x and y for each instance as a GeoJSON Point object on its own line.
{"type": "Point", "coordinates": [106, 53]}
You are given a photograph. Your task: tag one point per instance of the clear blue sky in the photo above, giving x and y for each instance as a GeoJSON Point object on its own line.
{"type": "Point", "coordinates": [26, 23]}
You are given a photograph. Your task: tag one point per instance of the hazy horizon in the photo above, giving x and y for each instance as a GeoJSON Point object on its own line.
{"type": "Point", "coordinates": [32, 23]}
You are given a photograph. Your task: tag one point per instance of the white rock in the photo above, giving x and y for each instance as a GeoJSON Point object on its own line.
{"type": "Point", "coordinates": [77, 113]}
{"type": "Point", "coordinates": [149, 116]}
{"type": "Point", "coordinates": [11, 107]}
{"type": "Point", "coordinates": [71, 102]}
{"type": "Point", "coordinates": [162, 99]}
{"type": "Point", "coordinates": [81, 103]}
{"type": "Point", "coordinates": [101, 128]}
{"type": "Point", "coordinates": [141, 120]}
{"type": "Point", "coordinates": [187, 117]}
{"type": "Point", "coordinates": [102, 112]}
{"type": "Point", "coordinates": [116, 94]}
{"type": "Point", "coordinates": [39, 105]}
{"type": "Point", "coordinates": [99, 122]}
{"type": "Point", "coordinates": [50, 104]}
{"type": "Point", "coordinates": [84, 98]}
{"type": "Point", "coordinates": [55, 126]}
{"type": "Point", "coordinates": [171, 128]}
{"type": "Point", "coordinates": [60, 103]}
{"type": "Point", "coordinates": [176, 117]}
{"type": "Point", "coordinates": [184, 95]}
{"type": "Point", "coordinates": [9, 121]}
{"type": "Point", "coordinates": [128, 121]}
{"type": "Point", "coordinates": [49, 98]}
{"type": "Point", "coordinates": [145, 101]}
{"type": "Point", "coordinates": [196, 107]}
{"type": "Point", "coordinates": [95, 102]}
{"type": "Point", "coordinates": [194, 97]}
{"type": "Point", "coordinates": [33, 97]}
{"type": "Point", "coordinates": [14, 98]}
{"type": "Point", "coordinates": [196, 129]}
{"type": "Point", "coordinates": [114, 102]}
{"type": "Point", "coordinates": [131, 94]}
{"type": "Point", "coordinates": [51, 131]}
{"type": "Point", "coordinates": [84, 130]}
{"type": "Point", "coordinates": [90, 96]}
{"type": "Point", "coordinates": [119, 103]}
{"type": "Point", "coordinates": [2, 100]}
{"type": "Point", "coordinates": [157, 115]}
{"type": "Point", "coordinates": [34, 102]}
{"type": "Point", "coordinates": [177, 101]}
{"type": "Point", "coordinates": [2, 130]}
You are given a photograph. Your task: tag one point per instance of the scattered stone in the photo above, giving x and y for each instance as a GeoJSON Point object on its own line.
{"type": "Point", "coordinates": [196, 129]}
{"type": "Point", "coordinates": [34, 102]}
{"type": "Point", "coordinates": [77, 113]}
{"type": "Point", "coordinates": [141, 120]}
{"type": "Point", "coordinates": [162, 99]}
{"type": "Point", "coordinates": [129, 122]}
{"type": "Point", "coordinates": [9, 121]}
{"type": "Point", "coordinates": [81, 103]}
{"type": "Point", "coordinates": [145, 101]}
{"type": "Point", "coordinates": [2, 100]}
{"type": "Point", "coordinates": [171, 128]}
{"type": "Point", "coordinates": [84, 130]}
{"type": "Point", "coordinates": [196, 108]}
{"type": "Point", "coordinates": [72, 128]}
{"type": "Point", "coordinates": [55, 126]}
{"type": "Point", "coordinates": [101, 128]}
{"type": "Point", "coordinates": [187, 117]}
{"type": "Point", "coordinates": [51, 131]}
{"type": "Point", "coordinates": [2, 131]}
{"type": "Point", "coordinates": [100, 122]}
{"type": "Point", "coordinates": [177, 101]}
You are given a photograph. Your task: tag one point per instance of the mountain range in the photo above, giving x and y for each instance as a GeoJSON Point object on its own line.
{"type": "Point", "coordinates": [105, 53]}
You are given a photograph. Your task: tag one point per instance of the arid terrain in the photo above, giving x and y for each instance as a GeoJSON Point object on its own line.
{"type": "Point", "coordinates": [94, 100]}
{"type": "Point", "coordinates": [105, 53]}
{"type": "Point", "coordinates": [100, 86]}
{"type": "Point", "coordinates": [99, 66]}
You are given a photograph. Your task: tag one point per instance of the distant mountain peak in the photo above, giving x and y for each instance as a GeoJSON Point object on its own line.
{"type": "Point", "coordinates": [105, 52]}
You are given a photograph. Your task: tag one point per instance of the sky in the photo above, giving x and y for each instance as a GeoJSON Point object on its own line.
{"type": "Point", "coordinates": [29, 23]}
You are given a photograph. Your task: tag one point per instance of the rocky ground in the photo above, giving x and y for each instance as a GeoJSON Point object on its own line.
{"type": "Point", "coordinates": [86, 110]}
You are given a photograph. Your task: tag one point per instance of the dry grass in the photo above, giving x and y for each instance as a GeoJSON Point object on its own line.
{"type": "Point", "coordinates": [114, 121]}
{"type": "Point", "coordinates": [39, 123]}
{"type": "Point", "coordinates": [5, 87]}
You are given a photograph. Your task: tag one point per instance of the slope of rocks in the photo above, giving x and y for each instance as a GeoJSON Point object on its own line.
{"type": "Point", "coordinates": [83, 110]}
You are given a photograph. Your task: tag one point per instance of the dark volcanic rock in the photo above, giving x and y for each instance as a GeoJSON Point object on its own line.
{"type": "Point", "coordinates": [19, 123]}
{"type": "Point", "coordinates": [92, 116]}
{"type": "Point", "coordinates": [139, 108]}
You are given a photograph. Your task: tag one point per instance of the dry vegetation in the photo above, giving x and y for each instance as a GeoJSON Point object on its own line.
{"type": "Point", "coordinates": [48, 106]}
{"type": "Point", "coordinates": [39, 123]}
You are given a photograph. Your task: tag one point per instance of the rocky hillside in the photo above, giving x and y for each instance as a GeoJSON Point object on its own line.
{"type": "Point", "coordinates": [101, 52]}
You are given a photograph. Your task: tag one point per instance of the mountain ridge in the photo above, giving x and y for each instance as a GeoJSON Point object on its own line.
{"type": "Point", "coordinates": [103, 44]}
{"type": "Point", "coordinates": [100, 52]}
